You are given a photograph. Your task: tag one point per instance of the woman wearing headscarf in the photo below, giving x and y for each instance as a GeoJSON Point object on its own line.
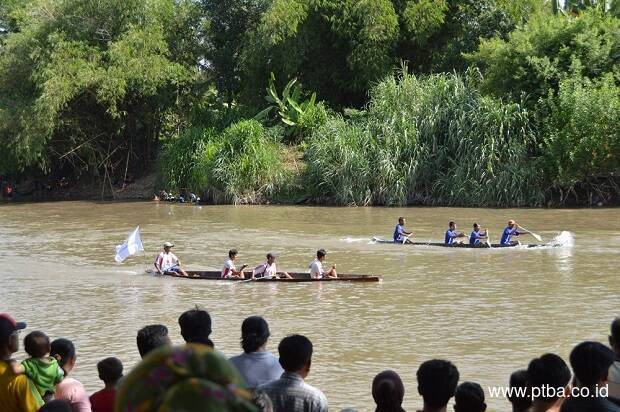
{"type": "Point", "coordinates": [69, 389]}
{"type": "Point", "coordinates": [189, 378]}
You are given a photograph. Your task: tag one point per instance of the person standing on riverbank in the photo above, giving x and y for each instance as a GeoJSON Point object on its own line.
{"type": "Point", "coordinates": [196, 326]}
{"type": "Point", "coordinates": [291, 393]}
{"type": "Point", "coordinates": [17, 392]}
{"type": "Point", "coordinates": [69, 389]}
{"type": "Point", "coordinates": [256, 364]}
{"type": "Point", "coordinates": [152, 337]}
{"type": "Point", "coordinates": [316, 267]}
{"type": "Point", "coordinates": [548, 371]}
{"type": "Point", "coordinates": [400, 234]}
{"type": "Point", "coordinates": [110, 372]}
{"type": "Point", "coordinates": [437, 380]}
{"type": "Point", "coordinates": [167, 261]}
{"type": "Point", "coordinates": [614, 369]}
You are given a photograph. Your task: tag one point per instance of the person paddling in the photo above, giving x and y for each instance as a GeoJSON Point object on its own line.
{"type": "Point", "coordinates": [476, 237]}
{"type": "Point", "coordinates": [452, 236]}
{"type": "Point", "coordinates": [167, 262]}
{"type": "Point", "coordinates": [400, 234]}
{"type": "Point", "coordinates": [268, 269]}
{"type": "Point", "coordinates": [229, 271]}
{"type": "Point", "coordinates": [316, 267]}
{"type": "Point", "coordinates": [510, 231]}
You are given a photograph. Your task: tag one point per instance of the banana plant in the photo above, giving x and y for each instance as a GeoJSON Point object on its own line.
{"type": "Point", "coordinates": [289, 107]}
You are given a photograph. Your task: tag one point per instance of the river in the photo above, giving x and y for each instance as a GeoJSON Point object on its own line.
{"type": "Point", "coordinates": [488, 311]}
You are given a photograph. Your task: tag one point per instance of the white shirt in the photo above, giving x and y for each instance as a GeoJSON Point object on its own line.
{"type": "Point", "coordinates": [265, 270]}
{"type": "Point", "coordinates": [229, 266]}
{"type": "Point", "coordinates": [166, 260]}
{"type": "Point", "coordinates": [316, 269]}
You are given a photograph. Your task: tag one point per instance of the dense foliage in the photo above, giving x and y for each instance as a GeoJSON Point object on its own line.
{"type": "Point", "coordinates": [496, 102]}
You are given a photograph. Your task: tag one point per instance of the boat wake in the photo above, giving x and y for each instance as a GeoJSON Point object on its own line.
{"type": "Point", "coordinates": [354, 240]}
{"type": "Point", "coordinates": [564, 239]}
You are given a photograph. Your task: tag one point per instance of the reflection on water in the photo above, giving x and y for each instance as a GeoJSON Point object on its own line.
{"type": "Point", "coordinates": [489, 311]}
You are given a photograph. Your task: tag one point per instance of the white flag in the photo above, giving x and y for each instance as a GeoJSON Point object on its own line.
{"type": "Point", "coordinates": [132, 245]}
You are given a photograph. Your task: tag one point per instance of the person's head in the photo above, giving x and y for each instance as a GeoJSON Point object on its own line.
{"type": "Point", "coordinates": [56, 405]}
{"type": "Point", "coordinates": [519, 397]}
{"type": "Point", "coordinates": [548, 371]}
{"type": "Point", "coordinates": [320, 254]}
{"type": "Point", "coordinates": [64, 352]}
{"type": "Point", "coordinates": [296, 354]}
{"type": "Point", "coordinates": [452, 225]}
{"type": "Point", "coordinates": [232, 254]}
{"type": "Point", "coordinates": [196, 326]}
{"type": "Point", "coordinates": [469, 397]}
{"type": "Point", "coordinates": [9, 334]}
{"type": "Point", "coordinates": [271, 258]}
{"type": "Point", "coordinates": [614, 338]}
{"type": "Point", "coordinates": [591, 362]}
{"type": "Point", "coordinates": [437, 380]}
{"type": "Point", "coordinates": [511, 223]}
{"type": "Point", "coordinates": [476, 227]}
{"type": "Point", "coordinates": [401, 220]}
{"type": "Point", "coordinates": [110, 370]}
{"type": "Point", "coordinates": [37, 344]}
{"type": "Point", "coordinates": [168, 246]}
{"type": "Point", "coordinates": [388, 392]}
{"type": "Point", "coordinates": [254, 333]}
{"type": "Point", "coordinates": [151, 337]}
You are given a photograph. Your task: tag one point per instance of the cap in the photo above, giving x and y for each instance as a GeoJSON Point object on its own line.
{"type": "Point", "coordinates": [168, 244]}
{"type": "Point", "coordinates": [8, 325]}
{"type": "Point", "coordinates": [511, 222]}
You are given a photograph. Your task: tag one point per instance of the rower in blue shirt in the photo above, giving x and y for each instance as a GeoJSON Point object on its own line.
{"type": "Point", "coordinates": [511, 230]}
{"type": "Point", "coordinates": [452, 236]}
{"type": "Point", "coordinates": [400, 234]}
{"type": "Point", "coordinates": [476, 237]}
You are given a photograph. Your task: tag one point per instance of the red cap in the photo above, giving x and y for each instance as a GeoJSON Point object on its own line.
{"type": "Point", "coordinates": [8, 325]}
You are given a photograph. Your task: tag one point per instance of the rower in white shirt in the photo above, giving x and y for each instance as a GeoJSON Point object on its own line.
{"type": "Point", "coordinates": [167, 262]}
{"type": "Point", "coordinates": [229, 271]}
{"type": "Point", "coordinates": [316, 267]}
{"type": "Point", "coordinates": [268, 269]}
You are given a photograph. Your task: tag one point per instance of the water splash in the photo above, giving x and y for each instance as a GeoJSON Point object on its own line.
{"type": "Point", "coordinates": [564, 239]}
{"type": "Point", "coordinates": [354, 239]}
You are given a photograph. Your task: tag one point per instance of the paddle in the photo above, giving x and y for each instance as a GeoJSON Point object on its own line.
{"type": "Point", "coordinates": [536, 235]}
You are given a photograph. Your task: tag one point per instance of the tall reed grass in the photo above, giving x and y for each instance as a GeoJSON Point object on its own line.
{"type": "Point", "coordinates": [427, 140]}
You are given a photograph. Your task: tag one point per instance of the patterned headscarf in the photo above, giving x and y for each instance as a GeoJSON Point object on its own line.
{"type": "Point", "coordinates": [189, 378]}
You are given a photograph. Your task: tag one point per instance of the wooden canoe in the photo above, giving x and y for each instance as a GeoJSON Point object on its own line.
{"type": "Point", "coordinates": [457, 245]}
{"type": "Point", "coordinates": [297, 277]}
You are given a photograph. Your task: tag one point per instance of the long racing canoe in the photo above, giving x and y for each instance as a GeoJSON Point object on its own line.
{"type": "Point", "coordinates": [456, 245]}
{"type": "Point", "coordinates": [297, 277]}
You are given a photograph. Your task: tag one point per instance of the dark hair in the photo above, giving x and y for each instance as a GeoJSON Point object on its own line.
{"type": "Point", "coordinates": [110, 370]}
{"type": "Point", "coordinates": [400, 218]}
{"type": "Point", "coordinates": [388, 392]}
{"type": "Point", "coordinates": [62, 349]}
{"type": "Point", "coordinates": [37, 344]}
{"type": "Point", "coordinates": [615, 331]}
{"type": "Point", "coordinates": [451, 223]}
{"type": "Point", "coordinates": [151, 337]}
{"type": "Point", "coordinates": [548, 370]}
{"type": "Point", "coordinates": [523, 400]}
{"type": "Point", "coordinates": [295, 352]}
{"type": "Point", "coordinates": [254, 333]}
{"type": "Point", "coordinates": [320, 253]}
{"type": "Point", "coordinates": [591, 362]}
{"type": "Point", "coordinates": [469, 397]}
{"type": "Point", "coordinates": [196, 326]}
{"type": "Point", "coordinates": [437, 381]}
{"type": "Point", "coordinates": [475, 224]}
{"type": "Point", "coordinates": [56, 405]}
{"type": "Point", "coordinates": [232, 253]}
{"type": "Point", "coordinates": [270, 255]}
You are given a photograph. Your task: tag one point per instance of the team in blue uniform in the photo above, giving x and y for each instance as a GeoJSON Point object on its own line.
{"type": "Point", "coordinates": [452, 236]}
{"type": "Point", "coordinates": [476, 236]}
{"type": "Point", "coordinates": [400, 234]}
{"type": "Point", "coordinates": [509, 232]}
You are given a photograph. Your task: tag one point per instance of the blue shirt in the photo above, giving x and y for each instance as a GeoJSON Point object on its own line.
{"type": "Point", "coordinates": [257, 368]}
{"type": "Point", "coordinates": [398, 233]}
{"type": "Point", "coordinates": [450, 236]}
{"type": "Point", "coordinates": [474, 238]}
{"type": "Point", "coordinates": [508, 233]}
